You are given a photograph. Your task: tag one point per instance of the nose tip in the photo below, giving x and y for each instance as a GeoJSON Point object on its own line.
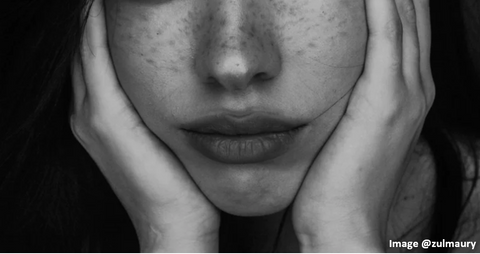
{"type": "Point", "coordinates": [238, 69]}
{"type": "Point", "coordinates": [237, 50]}
{"type": "Point", "coordinates": [236, 72]}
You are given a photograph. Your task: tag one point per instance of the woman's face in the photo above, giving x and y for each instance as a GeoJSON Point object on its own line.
{"type": "Point", "coordinates": [244, 92]}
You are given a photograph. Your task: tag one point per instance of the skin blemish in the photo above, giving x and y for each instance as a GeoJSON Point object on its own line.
{"type": "Point", "coordinates": [342, 23]}
{"type": "Point", "coordinates": [300, 52]}
{"type": "Point", "coordinates": [151, 62]}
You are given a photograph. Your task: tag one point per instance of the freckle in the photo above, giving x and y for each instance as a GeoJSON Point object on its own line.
{"type": "Point", "coordinates": [342, 23]}
{"type": "Point", "coordinates": [144, 17]}
{"type": "Point", "coordinates": [301, 52]}
{"type": "Point", "coordinates": [292, 11]}
{"type": "Point", "coordinates": [312, 45]}
{"type": "Point", "coordinates": [151, 62]}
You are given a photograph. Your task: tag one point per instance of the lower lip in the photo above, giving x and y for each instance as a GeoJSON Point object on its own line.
{"type": "Point", "coordinates": [244, 149]}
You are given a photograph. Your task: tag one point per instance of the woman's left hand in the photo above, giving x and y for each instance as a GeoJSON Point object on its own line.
{"type": "Point", "coordinates": [345, 199]}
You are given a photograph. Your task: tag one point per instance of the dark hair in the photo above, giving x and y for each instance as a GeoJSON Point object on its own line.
{"type": "Point", "coordinates": [54, 198]}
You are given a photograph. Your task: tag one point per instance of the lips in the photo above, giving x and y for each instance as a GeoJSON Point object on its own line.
{"type": "Point", "coordinates": [233, 140]}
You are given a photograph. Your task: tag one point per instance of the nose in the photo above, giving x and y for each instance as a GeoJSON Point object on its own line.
{"type": "Point", "coordinates": [237, 50]}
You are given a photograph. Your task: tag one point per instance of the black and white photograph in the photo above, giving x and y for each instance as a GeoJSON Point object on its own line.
{"type": "Point", "coordinates": [239, 126]}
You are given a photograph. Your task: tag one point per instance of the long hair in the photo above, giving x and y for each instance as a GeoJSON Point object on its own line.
{"type": "Point", "coordinates": [55, 199]}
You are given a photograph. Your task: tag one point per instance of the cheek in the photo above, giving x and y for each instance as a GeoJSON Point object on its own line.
{"type": "Point", "coordinates": [328, 32]}
{"type": "Point", "coordinates": [324, 51]}
{"type": "Point", "coordinates": [149, 54]}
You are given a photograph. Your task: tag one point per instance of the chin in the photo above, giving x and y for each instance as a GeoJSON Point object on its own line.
{"type": "Point", "coordinates": [257, 209]}
{"type": "Point", "coordinates": [247, 206]}
{"type": "Point", "coordinates": [254, 190]}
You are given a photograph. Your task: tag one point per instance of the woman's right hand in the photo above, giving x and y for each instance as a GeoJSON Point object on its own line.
{"type": "Point", "coordinates": [167, 209]}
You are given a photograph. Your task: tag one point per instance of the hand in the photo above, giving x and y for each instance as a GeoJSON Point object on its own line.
{"type": "Point", "coordinates": [167, 209]}
{"type": "Point", "coordinates": [344, 202]}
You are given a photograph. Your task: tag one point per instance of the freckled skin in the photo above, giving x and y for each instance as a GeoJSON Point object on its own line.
{"type": "Point", "coordinates": [179, 60]}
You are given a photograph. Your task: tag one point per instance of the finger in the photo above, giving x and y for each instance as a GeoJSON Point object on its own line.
{"type": "Point", "coordinates": [411, 52]}
{"type": "Point", "coordinates": [384, 52]}
{"type": "Point", "coordinates": [422, 9]}
{"type": "Point", "coordinates": [78, 84]}
{"type": "Point", "coordinates": [98, 68]}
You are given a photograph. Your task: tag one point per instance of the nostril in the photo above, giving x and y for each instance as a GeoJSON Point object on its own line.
{"type": "Point", "coordinates": [212, 80]}
{"type": "Point", "coordinates": [262, 76]}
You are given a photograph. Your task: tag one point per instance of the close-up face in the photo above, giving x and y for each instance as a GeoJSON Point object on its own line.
{"type": "Point", "coordinates": [244, 92]}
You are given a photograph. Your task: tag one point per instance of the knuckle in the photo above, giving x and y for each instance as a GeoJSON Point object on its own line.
{"type": "Point", "coordinates": [418, 110]}
{"type": "Point", "coordinates": [407, 10]}
{"type": "Point", "coordinates": [393, 30]}
{"type": "Point", "coordinates": [87, 128]}
{"type": "Point", "coordinates": [78, 128]}
{"type": "Point", "coordinates": [392, 111]}
{"type": "Point", "coordinates": [97, 123]}
{"type": "Point", "coordinates": [405, 107]}
{"type": "Point", "coordinates": [396, 64]}
{"type": "Point", "coordinates": [430, 95]}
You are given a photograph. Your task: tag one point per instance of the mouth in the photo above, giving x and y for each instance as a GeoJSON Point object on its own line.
{"type": "Point", "coordinates": [242, 141]}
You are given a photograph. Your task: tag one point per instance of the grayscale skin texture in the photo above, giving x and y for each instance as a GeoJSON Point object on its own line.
{"type": "Point", "coordinates": [180, 60]}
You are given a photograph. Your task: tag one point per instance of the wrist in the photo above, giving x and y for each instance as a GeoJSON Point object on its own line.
{"type": "Point", "coordinates": [341, 245]}
{"type": "Point", "coordinates": [185, 244]}
{"type": "Point", "coordinates": [342, 237]}
{"type": "Point", "coordinates": [343, 248]}
{"type": "Point", "coordinates": [177, 237]}
{"type": "Point", "coordinates": [178, 240]}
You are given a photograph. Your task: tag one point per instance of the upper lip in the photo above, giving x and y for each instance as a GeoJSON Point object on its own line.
{"type": "Point", "coordinates": [231, 125]}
